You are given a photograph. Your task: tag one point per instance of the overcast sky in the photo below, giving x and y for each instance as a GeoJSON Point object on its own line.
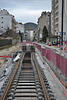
{"type": "Point", "coordinates": [26, 10]}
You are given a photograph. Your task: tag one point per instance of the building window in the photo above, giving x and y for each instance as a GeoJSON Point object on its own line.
{"type": "Point", "coordinates": [64, 38]}
{"type": "Point", "coordinates": [2, 27]}
{"type": "Point", "coordinates": [64, 33]}
{"type": "Point", "coordinates": [2, 17]}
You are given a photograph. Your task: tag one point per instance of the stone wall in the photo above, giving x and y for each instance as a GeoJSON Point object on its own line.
{"type": "Point", "coordinates": [9, 41]}
{"type": "Point", "coordinates": [5, 42]}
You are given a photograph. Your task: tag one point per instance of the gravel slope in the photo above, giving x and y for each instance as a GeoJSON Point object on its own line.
{"type": "Point", "coordinates": [6, 52]}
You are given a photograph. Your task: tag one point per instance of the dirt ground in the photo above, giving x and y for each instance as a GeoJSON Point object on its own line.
{"type": "Point", "coordinates": [6, 52]}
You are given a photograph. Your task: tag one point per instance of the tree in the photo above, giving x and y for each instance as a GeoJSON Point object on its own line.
{"type": "Point", "coordinates": [44, 34]}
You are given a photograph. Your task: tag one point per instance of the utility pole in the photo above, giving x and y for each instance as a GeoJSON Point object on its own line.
{"type": "Point", "coordinates": [62, 25]}
{"type": "Point", "coordinates": [49, 28]}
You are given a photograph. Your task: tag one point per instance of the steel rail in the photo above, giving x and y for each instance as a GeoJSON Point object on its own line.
{"type": "Point", "coordinates": [6, 90]}
{"type": "Point", "coordinates": [46, 96]}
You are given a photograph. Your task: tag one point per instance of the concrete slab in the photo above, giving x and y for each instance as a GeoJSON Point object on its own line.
{"type": "Point", "coordinates": [26, 83]}
{"type": "Point", "coordinates": [25, 95]}
{"type": "Point", "coordinates": [26, 87]}
{"type": "Point", "coordinates": [26, 98]}
{"type": "Point", "coordinates": [25, 90]}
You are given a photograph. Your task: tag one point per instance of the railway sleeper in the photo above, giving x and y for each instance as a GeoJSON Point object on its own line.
{"type": "Point", "coordinates": [26, 84]}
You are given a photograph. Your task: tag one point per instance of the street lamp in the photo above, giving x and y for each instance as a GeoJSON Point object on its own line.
{"type": "Point", "coordinates": [62, 25]}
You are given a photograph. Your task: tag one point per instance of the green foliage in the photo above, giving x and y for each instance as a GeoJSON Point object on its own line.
{"type": "Point", "coordinates": [6, 47]}
{"type": "Point", "coordinates": [44, 34]}
{"type": "Point", "coordinates": [16, 38]}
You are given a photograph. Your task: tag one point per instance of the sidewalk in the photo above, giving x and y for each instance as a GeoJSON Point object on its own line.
{"type": "Point", "coordinates": [58, 49]}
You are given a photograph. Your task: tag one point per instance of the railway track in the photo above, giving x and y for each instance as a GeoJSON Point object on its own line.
{"type": "Point", "coordinates": [27, 82]}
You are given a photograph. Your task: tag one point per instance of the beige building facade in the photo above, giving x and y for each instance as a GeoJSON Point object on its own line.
{"type": "Point", "coordinates": [44, 20]}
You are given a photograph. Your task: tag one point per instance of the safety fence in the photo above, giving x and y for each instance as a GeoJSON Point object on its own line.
{"type": "Point", "coordinates": [57, 58]}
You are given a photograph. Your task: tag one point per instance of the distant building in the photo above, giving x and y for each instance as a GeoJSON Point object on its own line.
{"type": "Point", "coordinates": [35, 34]}
{"type": "Point", "coordinates": [7, 21]}
{"type": "Point", "coordinates": [44, 20]}
{"type": "Point", "coordinates": [56, 18]}
{"type": "Point", "coordinates": [29, 28]}
{"type": "Point", "coordinates": [26, 35]}
{"type": "Point", "coordinates": [20, 28]}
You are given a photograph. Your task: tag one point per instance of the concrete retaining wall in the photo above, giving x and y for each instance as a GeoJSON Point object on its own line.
{"type": "Point", "coordinates": [59, 60]}
{"type": "Point", "coordinates": [5, 42]}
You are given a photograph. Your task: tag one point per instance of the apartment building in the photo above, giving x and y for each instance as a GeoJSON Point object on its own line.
{"type": "Point", "coordinates": [6, 21]}
{"type": "Point", "coordinates": [56, 18]}
{"type": "Point", "coordinates": [44, 20]}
